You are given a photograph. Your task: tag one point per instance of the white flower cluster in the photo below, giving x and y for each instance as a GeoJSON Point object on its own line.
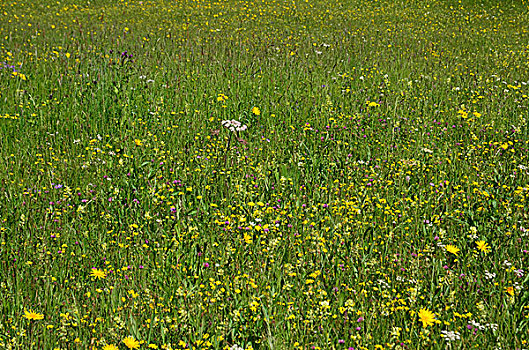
{"type": "Point", "coordinates": [477, 325]}
{"type": "Point", "coordinates": [383, 284]}
{"type": "Point", "coordinates": [234, 125]}
{"type": "Point", "coordinates": [450, 336]}
{"type": "Point", "coordinates": [482, 327]}
{"type": "Point", "coordinates": [236, 347]}
{"type": "Point", "coordinates": [489, 275]}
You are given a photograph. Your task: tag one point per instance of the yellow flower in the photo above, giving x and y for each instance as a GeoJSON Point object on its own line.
{"type": "Point", "coordinates": [222, 98]}
{"type": "Point", "coordinates": [452, 249]}
{"type": "Point", "coordinates": [131, 343]}
{"type": "Point", "coordinates": [98, 273]}
{"type": "Point", "coordinates": [510, 291]}
{"type": "Point", "coordinates": [32, 315]}
{"type": "Point", "coordinates": [247, 238]}
{"type": "Point", "coordinates": [110, 347]}
{"type": "Point", "coordinates": [256, 111]}
{"type": "Point", "coordinates": [373, 104]}
{"type": "Point", "coordinates": [138, 142]}
{"type": "Point", "coordinates": [483, 246]}
{"type": "Point", "coordinates": [426, 317]}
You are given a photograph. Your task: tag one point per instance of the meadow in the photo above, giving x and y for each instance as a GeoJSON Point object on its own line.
{"type": "Point", "coordinates": [264, 174]}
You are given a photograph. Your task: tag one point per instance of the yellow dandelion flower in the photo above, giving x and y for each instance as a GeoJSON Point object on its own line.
{"type": "Point", "coordinates": [32, 315]}
{"type": "Point", "coordinates": [98, 273]}
{"type": "Point", "coordinates": [483, 246]}
{"type": "Point", "coordinates": [426, 317]}
{"type": "Point", "coordinates": [509, 290]}
{"type": "Point", "coordinates": [110, 347]}
{"type": "Point", "coordinates": [452, 249]}
{"type": "Point", "coordinates": [256, 111]}
{"type": "Point", "coordinates": [131, 343]}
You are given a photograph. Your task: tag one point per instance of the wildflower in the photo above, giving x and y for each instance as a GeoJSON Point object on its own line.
{"type": "Point", "coordinates": [98, 273]}
{"type": "Point", "coordinates": [510, 290]}
{"type": "Point", "coordinates": [452, 249]}
{"type": "Point", "coordinates": [138, 142]}
{"type": "Point", "coordinates": [426, 317]}
{"type": "Point", "coordinates": [492, 326]}
{"type": "Point", "coordinates": [234, 125]}
{"type": "Point", "coordinates": [256, 111]}
{"type": "Point", "coordinates": [110, 347]}
{"type": "Point", "coordinates": [395, 332]}
{"type": "Point", "coordinates": [483, 246]}
{"type": "Point", "coordinates": [489, 275]}
{"type": "Point", "coordinates": [427, 150]}
{"type": "Point", "coordinates": [32, 315]}
{"type": "Point", "coordinates": [247, 238]}
{"type": "Point", "coordinates": [450, 335]}
{"type": "Point", "coordinates": [477, 325]}
{"type": "Point", "coordinates": [131, 343]}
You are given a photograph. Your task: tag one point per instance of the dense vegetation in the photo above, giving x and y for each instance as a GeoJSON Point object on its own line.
{"type": "Point", "coordinates": [264, 174]}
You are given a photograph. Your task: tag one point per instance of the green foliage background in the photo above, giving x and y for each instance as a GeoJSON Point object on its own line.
{"type": "Point", "coordinates": [379, 133]}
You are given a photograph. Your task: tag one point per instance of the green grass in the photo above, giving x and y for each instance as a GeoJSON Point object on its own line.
{"type": "Point", "coordinates": [379, 134]}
